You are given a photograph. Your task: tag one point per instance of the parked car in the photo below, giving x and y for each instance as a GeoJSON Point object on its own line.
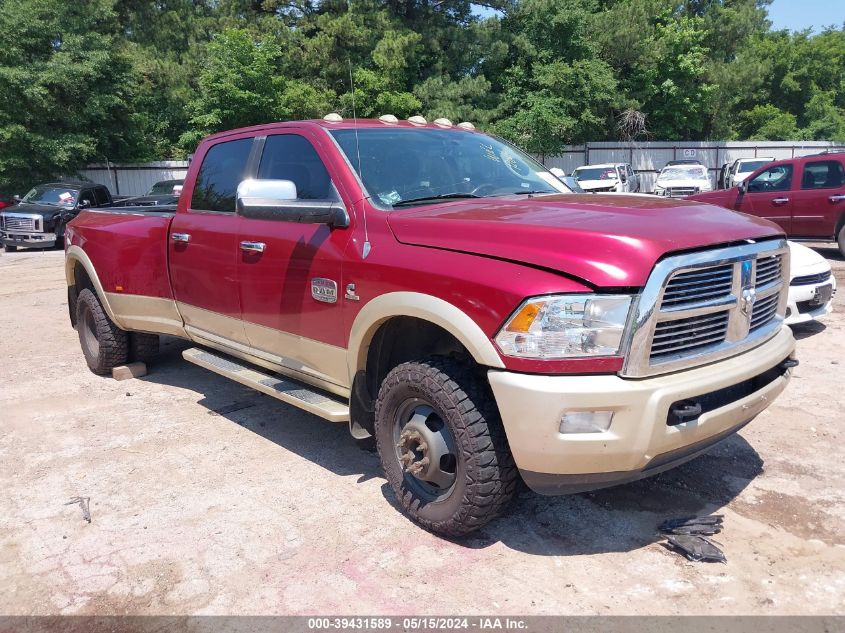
{"type": "Point", "coordinates": [619, 177]}
{"type": "Point", "coordinates": [743, 167]}
{"type": "Point", "coordinates": [164, 192]}
{"type": "Point", "coordinates": [40, 218]}
{"type": "Point", "coordinates": [811, 285]}
{"type": "Point", "coordinates": [679, 181]}
{"type": "Point", "coordinates": [478, 322]}
{"type": "Point", "coordinates": [805, 196]}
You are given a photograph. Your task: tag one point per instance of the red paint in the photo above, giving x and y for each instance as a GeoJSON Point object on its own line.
{"type": "Point", "coordinates": [800, 211]}
{"type": "Point", "coordinates": [482, 256]}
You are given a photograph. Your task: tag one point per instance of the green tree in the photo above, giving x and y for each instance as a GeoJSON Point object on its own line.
{"type": "Point", "coordinates": [64, 76]}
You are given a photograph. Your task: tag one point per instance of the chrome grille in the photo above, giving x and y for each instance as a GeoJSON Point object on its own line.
{"type": "Point", "coordinates": [18, 223]}
{"type": "Point", "coordinates": [680, 192]}
{"type": "Point", "coordinates": [685, 335]}
{"type": "Point", "coordinates": [708, 305]}
{"type": "Point", "coordinates": [698, 285]}
{"type": "Point", "coordinates": [807, 280]}
{"type": "Point", "coordinates": [763, 312]}
{"type": "Point", "coordinates": [768, 270]}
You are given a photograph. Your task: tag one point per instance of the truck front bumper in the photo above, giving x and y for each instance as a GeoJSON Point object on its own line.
{"type": "Point", "coordinates": [644, 436]}
{"type": "Point", "coordinates": [43, 240]}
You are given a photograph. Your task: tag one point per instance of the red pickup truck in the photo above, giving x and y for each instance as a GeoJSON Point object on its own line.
{"type": "Point", "coordinates": [449, 298]}
{"type": "Point", "coordinates": [805, 196]}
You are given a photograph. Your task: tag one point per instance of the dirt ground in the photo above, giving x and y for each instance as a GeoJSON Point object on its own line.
{"type": "Point", "coordinates": [209, 498]}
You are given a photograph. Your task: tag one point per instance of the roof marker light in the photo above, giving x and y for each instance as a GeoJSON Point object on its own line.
{"type": "Point", "coordinates": [388, 118]}
{"type": "Point", "coordinates": [443, 122]}
{"type": "Point", "coordinates": [417, 120]}
{"type": "Point", "coordinates": [466, 125]}
{"type": "Point", "coordinates": [333, 117]}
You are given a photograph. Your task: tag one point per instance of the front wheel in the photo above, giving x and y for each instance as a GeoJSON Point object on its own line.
{"type": "Point", "coordinates": [840, 240]}
{"type": "Point", "coordinates": [442, 445]}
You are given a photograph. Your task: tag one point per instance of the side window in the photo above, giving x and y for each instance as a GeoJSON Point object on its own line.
{"type": "Point", "coordinates": [87, 195]}
{"type": "Point", "coordinates": [292, 157]}
{"type": "Point", "coordinates": [777, 178]}
{"type": "Point", "coordinates": [826, 174]}
{"type": "Point", "coordinates": [101, 197]}
{"type": "Point", "coordinates": [222, 170]}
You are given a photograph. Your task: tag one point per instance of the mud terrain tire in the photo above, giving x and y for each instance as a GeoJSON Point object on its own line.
{"type": "Point", "coordinates": [104, 345]}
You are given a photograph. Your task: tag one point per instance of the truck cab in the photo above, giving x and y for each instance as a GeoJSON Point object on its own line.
{"type": "Point", "coordinates": [450, 300]}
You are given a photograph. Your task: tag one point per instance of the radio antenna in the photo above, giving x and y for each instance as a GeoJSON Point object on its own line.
{"type": "Point", "coordinates": [367, 245]}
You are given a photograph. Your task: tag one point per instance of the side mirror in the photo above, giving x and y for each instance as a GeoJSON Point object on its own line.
{"type": "Point", "coordinates": [276, 200]}
{"type": "Point", "coordinates": [743, 187]}
{"type": "Point", "coordinates": [84, 204]}
{"type": "Point", "coordinates": [16, 198]}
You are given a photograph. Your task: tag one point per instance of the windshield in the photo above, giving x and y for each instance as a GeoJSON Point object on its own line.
{"type": "Point", "coordinates": [595, 173]}
{"type": "Point", "coordinates": [164, 187]}
{"type": "Point", "coordinates": [754, 165]}
{"type": "Point", "coordinates": [404, 165]}
{"type": "Point", "coordinates": [53, 195]}
{"type": "Point", "coordinates": [681, 172]}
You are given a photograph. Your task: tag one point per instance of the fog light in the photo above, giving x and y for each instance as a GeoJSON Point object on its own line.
{"type": "Point", "coordinates": [585, 421]}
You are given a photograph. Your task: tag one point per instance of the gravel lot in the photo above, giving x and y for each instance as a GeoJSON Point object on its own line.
{"type": "Point", "coordinates": [207, 497]}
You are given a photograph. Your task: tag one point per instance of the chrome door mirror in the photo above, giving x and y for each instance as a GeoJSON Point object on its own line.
{"type": "Point", "coordinates": [276, 200]}
{"type": "Point", "coordinates": [743, 187]}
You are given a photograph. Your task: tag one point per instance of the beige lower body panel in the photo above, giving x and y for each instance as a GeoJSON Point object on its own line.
{"type": "Point", "coordinates": [531, 407]}
{"type": "Point", "coordinates": [146, 314]}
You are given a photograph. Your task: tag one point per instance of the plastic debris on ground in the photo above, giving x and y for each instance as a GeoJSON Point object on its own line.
{"type": "Point", "coordinates": [688, 535]}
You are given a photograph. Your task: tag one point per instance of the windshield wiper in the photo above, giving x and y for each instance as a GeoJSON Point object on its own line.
{"type": "Point", "coordinates": [442, 196]}
{"type": "Point", "coordinates": [530, 193]}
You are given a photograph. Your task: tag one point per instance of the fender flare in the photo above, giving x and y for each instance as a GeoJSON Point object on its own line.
{"type": "Point", "coordinates": [424, 307]}
{"type": "Point", "coordinates": [74, 255]}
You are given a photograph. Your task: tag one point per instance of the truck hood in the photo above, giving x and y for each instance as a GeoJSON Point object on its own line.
{"type": "Point", "coordinates": [44, 210]}
{"type": "Point", "coordinates": [606, 240]}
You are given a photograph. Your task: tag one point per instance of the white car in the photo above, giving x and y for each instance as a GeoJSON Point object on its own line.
{"type": "Point", "coordinates": [679, 181]}
{"type": "Point", "coordinates": [608, 177]}
{"type": "Point", "coordinates": [811, 285]}
{"type": "Point", "coordinates": [744, 167]}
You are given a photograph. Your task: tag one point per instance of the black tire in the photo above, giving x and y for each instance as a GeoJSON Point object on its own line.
{"type": "Point", "coordinates": [840, 240]}
{"type": "Point", "coordinates": [484, 475]}
{"type": "Point", "coordinates": [104, 345]}
{"type": "Point", "coordinates": [143, 347]}
{"type": "Point", "coordinates": [10, 248]}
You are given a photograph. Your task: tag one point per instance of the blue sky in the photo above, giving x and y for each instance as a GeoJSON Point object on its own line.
{"type": "Point", "coordinates": [797, 15]}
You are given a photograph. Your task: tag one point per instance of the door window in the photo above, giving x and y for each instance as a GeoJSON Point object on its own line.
{"type": "Point", "coordinates": [292, 157]}
{"type": "Point", "coordinates": [826, 174]}
{"type": "Point", "coordinates": [777, 178]}
{"type": "Point", "coordinates": [101, 197]}
{"type": "Point", "coordinates": [222, 170]}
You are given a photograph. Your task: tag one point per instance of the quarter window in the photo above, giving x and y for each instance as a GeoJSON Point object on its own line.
{"type": "Point", "coordinates": [292, 157]}
{"type": "Point", "coordinates": [777, 178]}
{"type": "Point", "coordinates": [827, 174]}
{"type": "Point", "coordinates": [222, 170]}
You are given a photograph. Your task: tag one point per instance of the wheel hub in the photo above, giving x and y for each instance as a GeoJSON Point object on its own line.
{"type": "Point", "coordinates": [425, 448]}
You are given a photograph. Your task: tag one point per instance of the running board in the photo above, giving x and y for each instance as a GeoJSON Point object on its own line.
{"type": "Point", "coordinates": [289, 391]}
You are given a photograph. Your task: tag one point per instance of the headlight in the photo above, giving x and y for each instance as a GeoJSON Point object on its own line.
{"type": "Point", "coordinates": [658, 190]}
{"type": "Point", "coordinates": [565, 326]}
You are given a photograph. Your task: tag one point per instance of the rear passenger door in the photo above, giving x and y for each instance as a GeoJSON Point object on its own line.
{"type": "Point", "coordinates": [291, 286]}
{"type": "Point", "coordinates": [769, 195]}
{"type": "Point", "coordinates": [819, 202]}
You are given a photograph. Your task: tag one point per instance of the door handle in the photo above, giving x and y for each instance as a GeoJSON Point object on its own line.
{"type": "Point", "coordinates": [180, 237]}
{"type": "Point", "coordinates": [835, 199]}
{"type": "Point", "coordinates": [780, 200]}
{"type": "Point", "coordinates": [253, 247]}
